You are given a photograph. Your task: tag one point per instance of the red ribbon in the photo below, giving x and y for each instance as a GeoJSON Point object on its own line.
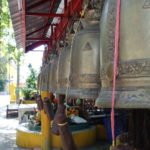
{"type": "Point", "coordinates": [115, 67]}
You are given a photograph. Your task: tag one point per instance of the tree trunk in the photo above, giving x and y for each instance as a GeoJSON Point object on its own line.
{"type": "Point", "coordinates": [18, 80]}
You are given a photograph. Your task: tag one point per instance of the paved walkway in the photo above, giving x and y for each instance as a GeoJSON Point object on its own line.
{"type": "Point", "coordinates": [8, 131]}
{"type": "Point", "coordinates": [7, 126]}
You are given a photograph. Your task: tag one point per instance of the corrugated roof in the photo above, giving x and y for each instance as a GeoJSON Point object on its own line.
{"type": "Point", "coordinates": [16, 16]}
{"type": "Point", "coordinates": [31, 23]}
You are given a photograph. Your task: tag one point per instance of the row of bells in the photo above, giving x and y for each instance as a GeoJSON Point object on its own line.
{"type": "Point", "coordinates": [86, 70]}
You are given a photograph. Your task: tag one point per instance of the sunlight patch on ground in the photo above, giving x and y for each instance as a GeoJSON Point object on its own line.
{"type": "Point", "coordinates": [8, 131]}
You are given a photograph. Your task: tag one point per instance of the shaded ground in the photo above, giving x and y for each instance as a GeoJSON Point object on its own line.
{"type": "Point", "coordinates": [100, 145]}
{"type": "Point", "coordinates": [8, 132]}
{"type": "Point", "coordinates": [7, 127]}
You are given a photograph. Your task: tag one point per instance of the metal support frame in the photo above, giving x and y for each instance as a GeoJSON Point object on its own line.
{"type": "Point", "coordinates": [74, 6]}
{"type": "Point", "coordinates": [38, 39]}
{"type": "Point", "coordinates": [50, 11]}
{"type": "Point", "coordinates": [65, 4]}
{"type": "Point", "coordinates": [37, 4]}
{"type": "Point", "coordinates": [36, 44]}
{"type": "Point", "coordinates": [42, 28]}
{"type": "Point", "coordinates": [44, 15]}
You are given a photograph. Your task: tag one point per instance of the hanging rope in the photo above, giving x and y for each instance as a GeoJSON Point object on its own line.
{"type": "Point", "coordinates": [115, 69]}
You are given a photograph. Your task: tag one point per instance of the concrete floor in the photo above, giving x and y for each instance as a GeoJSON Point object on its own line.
{"type": "Point", "coordinates": [7, 127]}
{"type": "Point", "coordinates": [8, 132]}
{"type": "Point", "coordinates": [103, 145]}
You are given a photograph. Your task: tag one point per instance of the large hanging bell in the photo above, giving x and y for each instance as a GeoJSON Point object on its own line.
{"type": "Point", "coordinates": [42, 79]}
{"type": "Point", "coordinates": [85, 70]}
{"type": "Point", "coordinates": [45, 78]}
{"type": "Point", "coordinates": [53, 83]}
{"type": "Point", "coordinates": [133, 78]}
{"type": "Point", "coordinates": [39, 81]}
{"type": "Point", "coordinates": [63, 70]}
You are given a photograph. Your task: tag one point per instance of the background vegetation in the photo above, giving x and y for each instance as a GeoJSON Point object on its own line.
{"type": "Point", "coordinates": [31, 83]}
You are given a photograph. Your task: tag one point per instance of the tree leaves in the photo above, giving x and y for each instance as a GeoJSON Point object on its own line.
{"type": "Point", "coordinates": [31, 83]}
{"type": "Point", "coordinates": [8, 50]}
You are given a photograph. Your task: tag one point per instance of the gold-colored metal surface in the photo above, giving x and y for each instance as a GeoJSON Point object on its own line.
{"type": "Point", "coordinates": [85, 70]}
{"type": "Point", "coordinates": [48, 76]}
{"type": "Point", "coordinates": [44, 78]}
{"type": "Point", "coordinates": [53, 83]}
{"type": "Point", "coordinates": [133, 78]}
{"type": "Point", "coordinates": [63, 70]}
{"type": "Point", "coordinates": [39, 81]}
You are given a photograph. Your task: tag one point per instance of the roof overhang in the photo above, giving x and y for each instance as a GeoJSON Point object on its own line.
{"type": "Point", "coordinates": [41, 22]}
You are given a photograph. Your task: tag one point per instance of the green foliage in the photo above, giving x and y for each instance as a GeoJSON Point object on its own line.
{"type": "Point", "coordinates": [14, 54]}
{"type": "Point", "coordinates": [2, 85]}
{"type": "Point", "coordinates": [4, 17]}
{"type": "Point", "coordinates": [7, 41]}
{"type": "Point", "coordinates": [3, 68]}
{"type": "Point", "coordinates": [26, 92]}
{"type": "Point", "coordinates": [3, 73]}
{"type": "Point", "coordinates": [31, 83]}
{"type": "Point", "coordinates": [6, 30]}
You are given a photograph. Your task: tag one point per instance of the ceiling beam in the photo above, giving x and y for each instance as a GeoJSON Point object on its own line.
{"type": "Point", "coordinates": [47, 25]}
{"type": "Point", "coordinates": [38, 39]}
{"type": "Point", "coordinates": [44, 15]}
{"type": "Point", "coordinates": [37, 4]}
{"type": "Point", "coordinates": [33, 46]}
{"type": "Point", "coordinates": [50, 11]}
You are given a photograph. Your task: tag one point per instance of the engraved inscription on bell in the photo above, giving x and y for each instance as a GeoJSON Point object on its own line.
{"type": "Point", "coordinates": [87, 47]}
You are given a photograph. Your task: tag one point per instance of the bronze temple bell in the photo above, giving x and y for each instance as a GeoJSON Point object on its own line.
{"type": "Point", "coordinates": [42, 79]}
{"type": "Point", "coordinates": [45, 77]}
{"type": "Point", "coordinates": [133, 78]}
{"type": "Point", "coordinates": [39, 82]}
{"type": "Point", "coordinates": [53, 83]}
{"type": "Point", "coordinates": [63, 70]}
{"type": "Point", "coordinates": [85, 72]}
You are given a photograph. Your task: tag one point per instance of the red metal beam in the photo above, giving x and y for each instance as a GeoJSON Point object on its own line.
{"type": "Point", "coordinates": [52, 2]}
{"type": "Point", "coordinates": [31, 47]}
{"type": "Point", "coordinates": [37, 4]}
{"type": "Point", "coordinates": [65, 4]}
{"type": "Point", "coordinates": [73, 7]}
{"type": "Point", "coordinates": [40, 29]}
{"type": "Point", "coordinates": [76, 5]}
{"type": "Point", "coordinates": [38, 39]}
{"type": "Point", "coordinates": [44, 15]}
